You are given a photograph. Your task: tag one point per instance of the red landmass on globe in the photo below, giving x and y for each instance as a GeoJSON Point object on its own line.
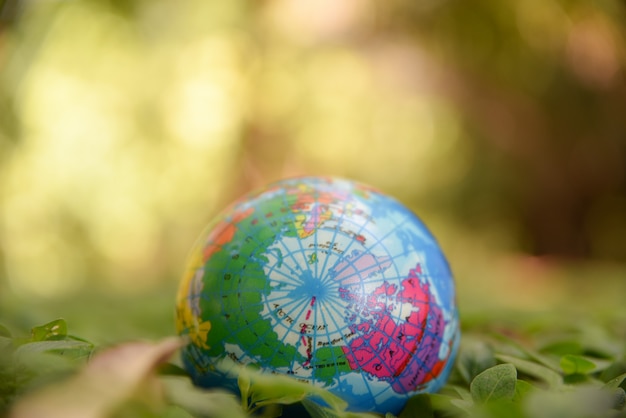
{"type": "Point", "coordinates": [406, 353]}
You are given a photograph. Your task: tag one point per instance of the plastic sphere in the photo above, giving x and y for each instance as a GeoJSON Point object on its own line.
{"type": "Point", "coordinates": [325, 280]}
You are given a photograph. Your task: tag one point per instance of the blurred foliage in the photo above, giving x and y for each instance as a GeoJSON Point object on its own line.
{"type": "Point", "coordinates": [537, 367]}
{"type": "Point", "coordinates": [126, 125]}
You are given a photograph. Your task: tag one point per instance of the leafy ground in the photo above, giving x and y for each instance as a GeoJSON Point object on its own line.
{"type": "Point", "coordinates": [567, 361]}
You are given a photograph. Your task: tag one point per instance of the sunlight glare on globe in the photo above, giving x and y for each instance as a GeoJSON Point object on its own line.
{"type": "Point", "coordinates": [325, 280]}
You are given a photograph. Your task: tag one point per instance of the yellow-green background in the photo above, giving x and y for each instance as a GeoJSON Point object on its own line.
{"type": "Point", "coordinates": [125, 126]}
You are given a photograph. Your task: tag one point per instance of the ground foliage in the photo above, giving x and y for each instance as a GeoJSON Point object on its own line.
{"type": "Point", "coordinates": [538, 366]}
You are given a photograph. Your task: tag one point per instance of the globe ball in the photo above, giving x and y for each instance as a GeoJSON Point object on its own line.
{"type": "Point", "coordinates": [325, 280]}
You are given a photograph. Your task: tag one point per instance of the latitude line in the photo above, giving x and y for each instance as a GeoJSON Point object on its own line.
{"type": "Point", "coordinates": [331, 346]}
{"type": "Point", "coordinates": [351, 241]}
{"type": "Point", "coordinates": [264, 219]}
{"type": "Point", "coordinates": [323, 274]}
{"type": "Point", "coordinates": [376, 241]}
{"type": "Point", "coordinates": [302, 251]}
{"type": "Point", "coordinates": [298, 239]}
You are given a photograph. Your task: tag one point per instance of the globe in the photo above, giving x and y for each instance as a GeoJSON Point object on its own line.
{"type": "Point", "coordinates": [325, 280]}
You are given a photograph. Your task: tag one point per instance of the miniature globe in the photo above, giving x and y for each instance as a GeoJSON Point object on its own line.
{"type": "Point", "coordinates": [325, 280]}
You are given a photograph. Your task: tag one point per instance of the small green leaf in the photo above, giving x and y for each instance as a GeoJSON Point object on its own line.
{"type": "Point", "coordinates": [461, 391]}
{"type": "Point", "coordinates": [418, 406]}
{"type": "Point", "coordinates": [615, 382]}
{"type": "Point", "coordinates": [578, 379]}
{"type": "Point", "coordinates": [462, 404]}
{"type": "Point", "coordinates": [502, 408]}
{"type": "Point", "coordinates": [265, 389]}
{"type": "Point", "coordinates": [53, 330]}
{"type": "Point", "coordinates": [447, 404]}
{"type": "Point", "coordinates": [201, 402]}
{"type": "Point", "coordinates": [286, 399]}
{"type": "Point", "coordinates": [562, 348]}
{"type": "Point", "coordinates": [475, 356]}
{"type": "Point", "coordinates": [75, 338]}
{"type": "Point", "coordinates": [282, 391]}
{"type": "Point", "coordinates": [552, 378]}
{"type": "Point", "coordinates": [243, 380]}
{"type": "Point", "coordinates": [66, 348]}
{"type": "Point", "coordinates": [111, 378]}
{"type": "Point", "coordinates": [528, 353]}
{"type": "Point", "coordinates": [522, 388]}
{"type": "Point", "coordinates": [573, 364]}
{"type": "Point", "coordinates": [497, 382]}
{"type": "Point", "coordinates": [316, 410]}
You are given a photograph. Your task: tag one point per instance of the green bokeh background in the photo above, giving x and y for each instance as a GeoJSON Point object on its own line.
{"type": "Point", "coordinates": [125, 126]}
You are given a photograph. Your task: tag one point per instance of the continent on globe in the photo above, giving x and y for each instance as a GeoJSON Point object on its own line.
{"type": "Point", "coordinates": [404, 352]}
{"type": "Point", "coordinates": [325, 280]}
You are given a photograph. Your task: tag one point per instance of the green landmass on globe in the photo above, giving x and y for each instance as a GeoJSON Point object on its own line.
{"type": "Point", "coordinates": [325, 280]}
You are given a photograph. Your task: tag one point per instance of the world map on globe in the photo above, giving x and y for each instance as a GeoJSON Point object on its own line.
{"type": "Point", "coordinates": [325, 280]}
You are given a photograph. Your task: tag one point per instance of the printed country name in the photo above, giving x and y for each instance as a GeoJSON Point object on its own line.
{"type": "Point", "coordinates": [309, 328]}
{"type": "Point", "coordinates": [352, 234]}
{"type": "Point", "coordinates": [280, 313]}
{"type": "Point", "coordinates": [324, 365]}
{"type": "Point", "coordinates": [328, 246]}
{"type": "Point", "coordinates": [335, 340]}
{"type": "Point", "coordinates": [305, 328]}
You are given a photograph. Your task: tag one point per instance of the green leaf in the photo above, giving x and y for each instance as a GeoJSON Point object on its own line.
{"type": "Point", "coordinates": [316, 410]}
{"type": "Point", "coordinates": [562, 348]}
{"type": "Point", "coordinates": [446, 405]}
{"type": "Point", "coordinates": [528, 353]}
{"type": "Point", "coordinates": [265, 389]}
{"type": "Point", "coordinates": [418, 406]}
{"type": "Point", "coordinates": [200, 402]}
{"type": "Point", "coordinates": [502, 408]}
{"type": "Point", "coordinates": [461, 391]}
{"type": "Point", "coordinates": [53, 330]}
{"type": "Point", "coordinates": [579, 379]}
{"type": "Point", "coordinates": [462, 404]}
{"type": "Point", "coordinates": [75, 338]}
{"type": "Point", "coordinates": [522, 388]}
{"type": "Point", "coordinates": [573, 364]}
{"type": "Point", "coordinates": [111, 378]}
{"type": "Point", "coordinates": [552, 378]}
{"type": "Point", "coordinates": [497, 382]}
{"type": "Point", "coordinates": [66, 348]}
{"type": "Point", "coordinates": [243, 380]}
{"type": "Point", "coordinates": [475, 356]}
{"type": "Point", "coordinates": [615, 382]}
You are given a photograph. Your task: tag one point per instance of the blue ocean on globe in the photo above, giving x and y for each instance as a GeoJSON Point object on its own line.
{"type": "Point", "coordinates": [325, 280]}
